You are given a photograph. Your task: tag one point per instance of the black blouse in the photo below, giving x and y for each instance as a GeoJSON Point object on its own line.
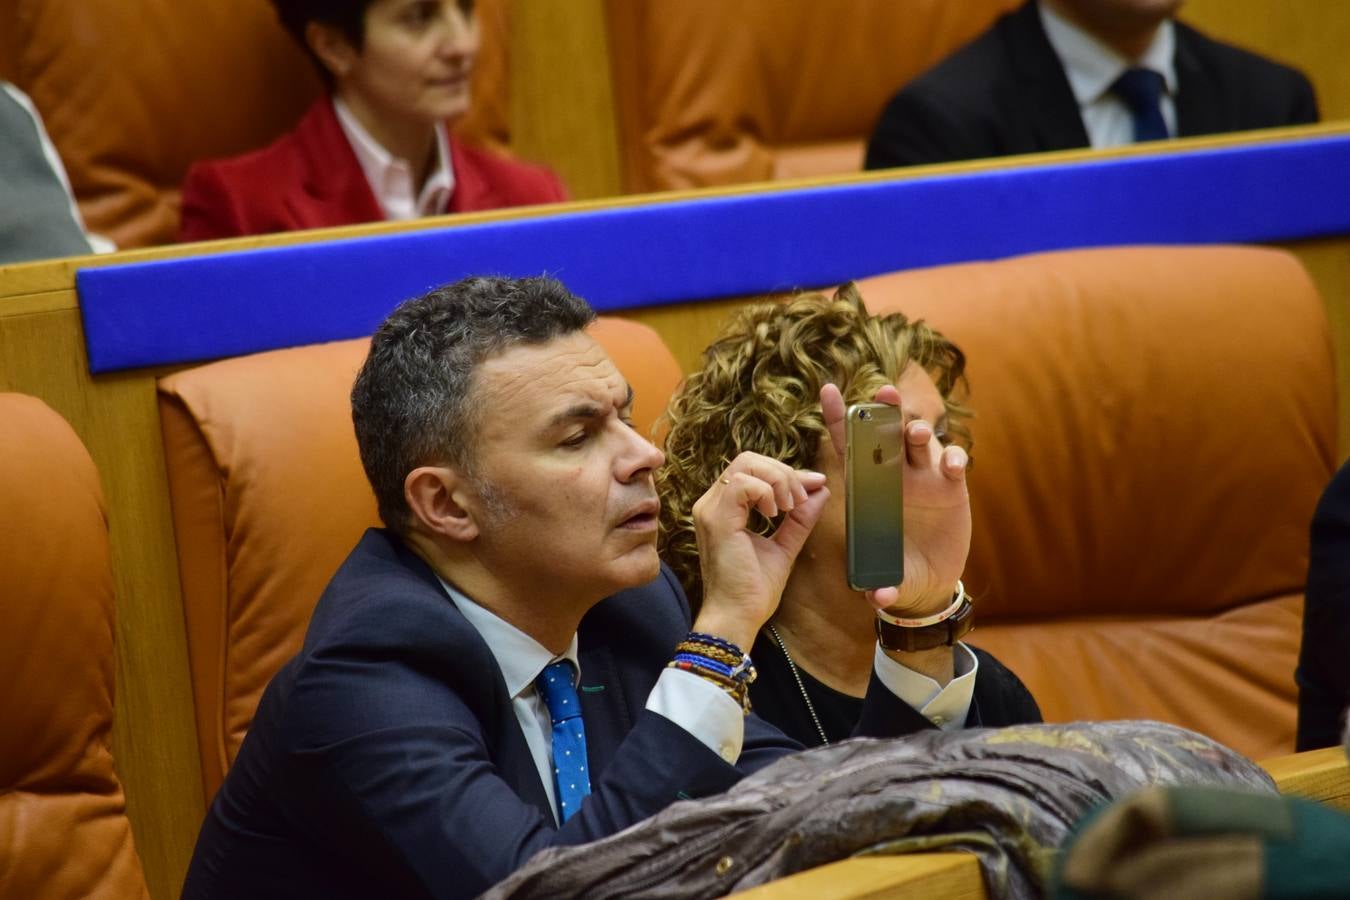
{"type": "Point", "coordinates": [1000, 698]}
{"type": "Point", "coordinates": [775, 697]}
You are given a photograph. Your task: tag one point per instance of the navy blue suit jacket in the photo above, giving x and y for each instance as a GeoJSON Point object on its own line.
{"type": "Point", "coordinates": [1006, 92]}
{"type": "Point", "coordinates": [385, 758]}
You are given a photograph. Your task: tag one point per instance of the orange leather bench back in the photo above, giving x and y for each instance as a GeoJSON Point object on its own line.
{"type": "Point", "coordinates": [1154, 426]}
{"type": "Point", "coordinates": [1153, 429]}
{"type": "Point", "coordinates": [710, 92]}
{"type": "Point", "coordinates": [63, 825]}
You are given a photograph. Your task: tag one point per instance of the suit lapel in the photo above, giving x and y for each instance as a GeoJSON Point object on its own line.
{"type": "Point", "coordinates": [485, 690]}
{"type": "Point", "coordinates": [604, 707]}
{"type": "Point", "coordinates": [1045, 102]}
{"type": "Point", "coordinates": [1200, 105]}
{"type": "Point", "coordinates": [334, 190]}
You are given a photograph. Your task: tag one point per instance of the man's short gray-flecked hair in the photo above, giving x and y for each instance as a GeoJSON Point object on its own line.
{"type": "Point", "coordinates": [412, 403]}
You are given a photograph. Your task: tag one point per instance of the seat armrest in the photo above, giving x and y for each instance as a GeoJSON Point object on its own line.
{"type": "Point", "coordinates": [950, 876]}
{"type": "Point", "coordinates": [1321, 775]}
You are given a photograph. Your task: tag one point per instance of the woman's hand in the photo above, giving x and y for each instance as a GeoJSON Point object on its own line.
{"type": "Point", "coordinates": [743, 572]}
{"type": "Point", "coordinates": [936, 511]}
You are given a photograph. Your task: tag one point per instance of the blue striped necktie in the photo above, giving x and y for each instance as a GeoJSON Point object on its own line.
{"type": "Point", "coordinates": [1142, 90]}
{"type": "Point", "coordinates": [557, 685]}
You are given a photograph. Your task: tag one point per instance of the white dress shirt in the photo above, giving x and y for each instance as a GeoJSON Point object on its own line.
{"type": "Point", "coordinates": [946, 706]}
{"type": "Point", "coordinates": [1093, 67]}
{"type": "Point", "coordinates": [695, 704]}
{"type": "Point", "coordinates": [391, 179]}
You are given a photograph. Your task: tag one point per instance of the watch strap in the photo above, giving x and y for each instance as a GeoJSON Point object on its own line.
{"type": "Point", "coordinates": [926, 637]}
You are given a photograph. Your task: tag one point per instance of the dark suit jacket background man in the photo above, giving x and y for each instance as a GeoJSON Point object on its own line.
{"type": "Point", "coordinates": [405, 750]}
{"type": "Point", "coordinates": [1040, 79]}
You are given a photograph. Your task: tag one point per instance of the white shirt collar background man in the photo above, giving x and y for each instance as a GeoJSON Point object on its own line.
{"type": "Point", "coordinates": [1092, 66]}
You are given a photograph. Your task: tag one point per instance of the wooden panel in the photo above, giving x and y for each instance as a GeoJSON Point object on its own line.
{"type": "Point", "coordinates": [688, 328]}
{"type": "Point", "coordinates": [1321, 775]}
{"type": "Point", "coordinates": [562, 98]}
{"type": "Point", "coordinates": [1328, 261]}
{"type": "Point", "coordinates": [154, 737]}
{"type": "Point", "coordinates": [949, 876]}
{"type": "Point", "coordinates": [1309, 34]}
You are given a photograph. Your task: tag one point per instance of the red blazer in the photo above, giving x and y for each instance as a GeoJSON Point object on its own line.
{"type": "Point", "coordinates": [310, 178]}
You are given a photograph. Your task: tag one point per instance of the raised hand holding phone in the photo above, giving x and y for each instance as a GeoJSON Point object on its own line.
{"type": "Point", "coordinates": [874, 457]}
{"type": "Point", "coordinates": [936, 510]}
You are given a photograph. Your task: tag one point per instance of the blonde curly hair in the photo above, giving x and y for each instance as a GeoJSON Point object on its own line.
{"type": "Point", "coordinates": [759, 389]}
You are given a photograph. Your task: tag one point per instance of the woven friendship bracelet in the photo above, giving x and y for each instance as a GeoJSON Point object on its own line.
{"type": "Point", "coordinates": [725, 682]}
{"type": "Point", "coordinates": [717, 666]}
{"type": "Point", "coordinates": [718, 661]}
{"type": "Point", "coordinates": [730, 659]}
{"type": "Point", "coordinates": [712, 640]}
{"type": "Point", "coordinates": [736, 690]}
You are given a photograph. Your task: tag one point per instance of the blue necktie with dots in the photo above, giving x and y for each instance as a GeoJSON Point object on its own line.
{"type": "Point", "coordinates": [557, 685]}
{"type": "Point", "coordinates": [1142, 90]}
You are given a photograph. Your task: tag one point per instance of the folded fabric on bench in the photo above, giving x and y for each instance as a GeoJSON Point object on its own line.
{"type": "Point", "coordinates": [1010, 796]}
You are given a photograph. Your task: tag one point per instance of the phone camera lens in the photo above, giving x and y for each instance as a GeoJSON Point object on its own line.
{"type": "Point", "coordinates": [864, 414]}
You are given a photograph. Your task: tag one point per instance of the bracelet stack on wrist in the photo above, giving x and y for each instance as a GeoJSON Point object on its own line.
{"type": "Point", "coordinates": [719, 661]}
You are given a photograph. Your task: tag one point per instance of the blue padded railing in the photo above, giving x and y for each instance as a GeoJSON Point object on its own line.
{"type": "Point", "coordinates": [226, 304]}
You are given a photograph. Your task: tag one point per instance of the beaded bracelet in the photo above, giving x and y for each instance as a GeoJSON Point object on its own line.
{"type": "Point", "coordinates": [719, 661]}
{"type": "Point", "coordinates": [726, 657]}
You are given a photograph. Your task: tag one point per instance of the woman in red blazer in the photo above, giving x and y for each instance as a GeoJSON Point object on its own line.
{"type": "Point", "coordinates": [378, 146]}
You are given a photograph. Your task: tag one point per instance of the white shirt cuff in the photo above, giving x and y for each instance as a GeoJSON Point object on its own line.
{"type": "Point", "coordinates": [701, 708]}
{"type": "Point", "coordinates": [946, 707]}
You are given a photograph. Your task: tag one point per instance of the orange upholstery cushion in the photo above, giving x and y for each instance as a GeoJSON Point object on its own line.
{"type": "Point", "coordinates": [710, 92]}
{"type": "Point", "coordinates": [63, 825]}
{"type": "Point", "coordinates": [134, 91]}
{"type": "Point", "coordinates": [1153, 429]}
{"type": "Point", "coordinates": [269, 497]}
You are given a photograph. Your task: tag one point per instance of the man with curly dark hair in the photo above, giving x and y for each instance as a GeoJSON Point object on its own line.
{"type": "Point", "coordinates": [767, 385]}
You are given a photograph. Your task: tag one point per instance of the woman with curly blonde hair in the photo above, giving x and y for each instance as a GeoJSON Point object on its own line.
{"type": "Point", "coordinates": [775, 382]}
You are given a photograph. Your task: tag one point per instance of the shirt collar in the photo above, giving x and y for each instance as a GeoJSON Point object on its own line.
{"type": "Point", "coordinates": [1092, 66]}
{"type": "Point", "coordinates": [520, 657]}
{"type": "Point", "coordinates": [380, 166]}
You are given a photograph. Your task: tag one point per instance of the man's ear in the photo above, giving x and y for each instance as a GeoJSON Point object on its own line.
{"type": "Point", "coordinates": [436, 495]}
{"type": "Point", "coordinates": [332, 48]}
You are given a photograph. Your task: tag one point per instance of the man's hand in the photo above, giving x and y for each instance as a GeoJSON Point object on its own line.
{"type": "Point", "coordinates": [936, 515]}
{"type": "Point", "coordinates": [743, 572]}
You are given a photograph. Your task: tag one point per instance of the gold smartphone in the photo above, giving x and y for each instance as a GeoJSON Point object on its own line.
{"type": "Point", "coordinates": [873, 495]}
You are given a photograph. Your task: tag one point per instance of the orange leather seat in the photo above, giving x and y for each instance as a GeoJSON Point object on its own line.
{"type": "Point", "coordinates": [709, 92]}
{"type": "Point", "coordinates": [63, 825]}
{"type": "Point", "coordinates": [1153, 429]}
{"type": "Point", "coordinates": [269, 497]}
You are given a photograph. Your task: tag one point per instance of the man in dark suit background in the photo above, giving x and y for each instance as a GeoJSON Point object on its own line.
{"type": "Point", "coordinates": [424, 742]}
{"type": "Point", "coordinates": [1062, 74]}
